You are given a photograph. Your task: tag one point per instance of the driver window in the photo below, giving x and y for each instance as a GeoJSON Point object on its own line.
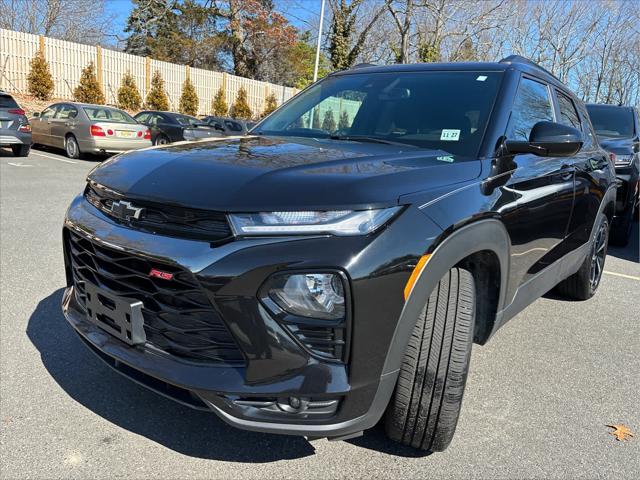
{"type": "Point", "coordinates": [333, 114]}
{"type": "Point", "coordinates": [532, 105]}
{"type": "Point", "coordinates": [48, 112]}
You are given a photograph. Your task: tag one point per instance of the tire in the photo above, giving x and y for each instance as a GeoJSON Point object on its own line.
{"type": "Point", "coordinates": [583, 284]}
{"type": "Point", "coordinates": [423, 412]}
{"type": "Point", "coordinates": [161, 140]}
{"type": "Point", "coordinates": [621, 229]}
{"type": "Point", "coordinates": [71, 147]}
{"type": "Point", "coordinates": [20, 150]}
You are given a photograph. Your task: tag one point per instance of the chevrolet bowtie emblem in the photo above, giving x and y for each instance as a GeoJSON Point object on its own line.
{"type": "Point", "coordinates": [126, 211]}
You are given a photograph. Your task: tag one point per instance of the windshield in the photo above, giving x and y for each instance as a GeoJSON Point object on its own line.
{"type": "Point", "coordinates": [434, 110]}
{"type": "Point", "coordinates": [610, 121]}
{"type": "Point", "coordinates": [104, 114]}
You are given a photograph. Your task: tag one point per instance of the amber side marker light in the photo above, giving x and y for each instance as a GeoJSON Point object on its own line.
{"type": "Point", "coordinates": [415, 274]}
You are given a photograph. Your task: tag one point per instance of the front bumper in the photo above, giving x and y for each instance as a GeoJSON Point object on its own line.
{"type": "Point", "coordinates": [277, 366]}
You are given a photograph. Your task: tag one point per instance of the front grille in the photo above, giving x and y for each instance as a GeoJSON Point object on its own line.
{"type": "Point", "coordinates": [163, 219]}
{"type": "Point", "coordinates": [178, 317]}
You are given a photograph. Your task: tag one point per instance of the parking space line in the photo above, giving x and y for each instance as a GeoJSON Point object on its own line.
{"type": "Point", "coordinates": [630, 277]}
{"type": "Point", "coordinates": [52, 157]}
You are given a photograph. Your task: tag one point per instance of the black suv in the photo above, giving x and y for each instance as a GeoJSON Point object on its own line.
{"type": "Point", "coordinates": [309, 281]}
{"type": "Point", "coordinates": [618, 129]}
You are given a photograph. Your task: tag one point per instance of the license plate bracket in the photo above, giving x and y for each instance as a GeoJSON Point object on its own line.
{"type": "Point", "coordinates": [120, 316]}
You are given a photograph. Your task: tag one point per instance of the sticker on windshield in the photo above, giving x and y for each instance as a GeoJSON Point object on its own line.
{"type": "Point", "coordinates": [450, 135]}
{"type": "Point", "coordinates": [481, 78]}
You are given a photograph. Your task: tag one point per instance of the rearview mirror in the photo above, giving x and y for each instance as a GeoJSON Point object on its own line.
{"type": "Point", "coordinates": [548, 139]}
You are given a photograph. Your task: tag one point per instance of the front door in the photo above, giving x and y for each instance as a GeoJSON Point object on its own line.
{"type": "Point", "coordinates": [539, 192]}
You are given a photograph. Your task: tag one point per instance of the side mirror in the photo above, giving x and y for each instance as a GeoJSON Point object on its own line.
{"type": "Point", "coordinates": [36, 114]}
{"type": "Point", "coordinates": [548, 139]}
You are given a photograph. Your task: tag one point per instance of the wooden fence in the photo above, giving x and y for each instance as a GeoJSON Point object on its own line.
{"type": "Point", "coordinates": [67, 59]}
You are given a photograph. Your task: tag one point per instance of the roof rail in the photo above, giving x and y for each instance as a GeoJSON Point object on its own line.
{"type": "Point", "coordinates": [363, 65]}
{"type": "Point", "coordinates": [521, 59]}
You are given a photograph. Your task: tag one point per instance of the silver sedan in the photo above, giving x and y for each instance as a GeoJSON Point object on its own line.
{"type": "Point", "coordinates": [81, 128]}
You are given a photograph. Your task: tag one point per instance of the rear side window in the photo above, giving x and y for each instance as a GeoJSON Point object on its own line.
{"type": "Point", "coordinates": [103, 114]}
{"type": "Point", "coordinates": [611, 122]}
{"type": "Point", "coordinates": [568, 114]}
{"type": "Point", "coordinates": [66, 112]}
{"type": "Point", "coordinates": [532, 105]}
{"type": "Point", "coordinates": [7, 101]}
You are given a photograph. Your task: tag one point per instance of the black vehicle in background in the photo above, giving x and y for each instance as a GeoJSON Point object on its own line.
{"type": "Point", "coordinates": [15, 129]}
{"type": "Point", "coordinates": [618, 130]}
{"type": "Point", "coordinates": [228, 126]}
{"type": "Point", "coordinates": [169, 127]}
{"type": "Point", "coordinates": [313, 282]}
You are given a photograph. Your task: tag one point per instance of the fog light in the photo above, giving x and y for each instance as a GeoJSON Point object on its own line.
{"type": "Point", "coordinates": [315, 295]}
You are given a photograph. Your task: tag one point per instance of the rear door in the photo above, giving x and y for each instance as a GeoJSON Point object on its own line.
{"type": "Point", "coordinates": [540, 188]}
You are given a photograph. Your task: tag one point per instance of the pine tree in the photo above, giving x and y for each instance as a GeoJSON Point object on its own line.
{"type": "Point", "coordinates": [88, 89]}
{"type": "Point", "coordinates": [270, 104]}
{"type": "Point", "coordinates": [328, 122]}
{"type": "Point", "coordinates": [240, 108]}
{"type": "Point", "coordinates": [344, 123]}
{"type": "Point", "coordinates": [219, 105]}
{"type": "Point", "coordinates": [40, 81]}
{"type": "Point", "coordinates": [188, 98]}
{"type": "Point", "coordinates": [157, 97]}
{"type": "Point", "coordinates": [128, 95]}
{"type": "Point", "coordinates": [467, 51]}
{"type": "Point", "coordinates": [316, 118]}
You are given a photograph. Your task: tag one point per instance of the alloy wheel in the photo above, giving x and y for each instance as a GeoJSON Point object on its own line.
{"type": "Point", "coordinates": [598, 254]}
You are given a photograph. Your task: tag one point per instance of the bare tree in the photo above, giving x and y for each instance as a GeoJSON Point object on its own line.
{"type": "Point", "coordinates": [83, 21]}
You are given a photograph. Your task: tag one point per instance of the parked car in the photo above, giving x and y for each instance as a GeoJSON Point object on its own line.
{"type": "Point", "coordinates": [304, 282]}
{"type": "Point", "coordinates": [618, 130]}
{"type": "Point", "coordinates": [228, 126]}
{"type": "Point", "coordinates": [15, 129]}
{"type": "Point", "coordinates": [168, 127]}
{"type": "Point", "coordinates": [81, 128]}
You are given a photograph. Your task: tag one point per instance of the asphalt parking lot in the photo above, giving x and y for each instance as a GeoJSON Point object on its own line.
{"type": "Point", "coordinates": [538, 398]}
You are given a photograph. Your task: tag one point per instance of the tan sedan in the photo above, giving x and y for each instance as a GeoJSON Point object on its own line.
{"type": "Point", "coordinates": [81, 128]}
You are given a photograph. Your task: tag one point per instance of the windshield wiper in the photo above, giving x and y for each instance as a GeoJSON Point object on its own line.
{"type": "Point", "coordinates": [365, 138]}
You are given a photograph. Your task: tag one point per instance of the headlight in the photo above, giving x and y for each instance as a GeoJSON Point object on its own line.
{"type": "Point", "coordinates": [343, 222]}
{"type": "Point", "coordinates": [315, 295]}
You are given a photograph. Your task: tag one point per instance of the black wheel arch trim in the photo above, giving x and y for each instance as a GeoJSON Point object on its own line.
{"type": "Point", "coordinates": [483, 235]}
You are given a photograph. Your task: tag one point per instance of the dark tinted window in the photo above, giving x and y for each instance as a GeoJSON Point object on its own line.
{"type": "Point", "coordinates": [7, 101]}
{"type": "Point", "coordinates": [445, 111]}
{"type": "Point", "coordinates": [142, 117]}
{"type": "Point", "coordinates": [611, 121]}
{"type": "Point", "coordinates": [568, 114]}
{"type": "Point", "coordinates": [532, 105]}
{"type": "Point", "coordinates": [233, 126]}
{"type": "Point", "coordinates": [186, 120]}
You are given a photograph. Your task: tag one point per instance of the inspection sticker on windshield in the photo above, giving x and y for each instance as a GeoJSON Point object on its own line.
{"type": "Point", "coordinates": [450, 135]}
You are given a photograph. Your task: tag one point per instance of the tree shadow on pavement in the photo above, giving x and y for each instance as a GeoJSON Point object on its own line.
{"type": "Point", "coordinates": [94, 385]}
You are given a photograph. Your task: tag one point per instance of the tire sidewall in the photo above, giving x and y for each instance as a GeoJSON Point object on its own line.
{"type": "Point", "coordinates": [161, 140]}
{"type": "Point", "coordinates": [75, 152]}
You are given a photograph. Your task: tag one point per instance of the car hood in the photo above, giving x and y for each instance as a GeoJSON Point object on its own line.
{"type": "Point", "coordinates": [621, 146]}
{"type": "Point", "coordinates": [258, 173]}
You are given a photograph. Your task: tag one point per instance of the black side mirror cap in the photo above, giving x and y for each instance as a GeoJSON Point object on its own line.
{"type": "Point", "coordinates": [36, 114]}
{"type": "Point", "coordinates": [548, 139]}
